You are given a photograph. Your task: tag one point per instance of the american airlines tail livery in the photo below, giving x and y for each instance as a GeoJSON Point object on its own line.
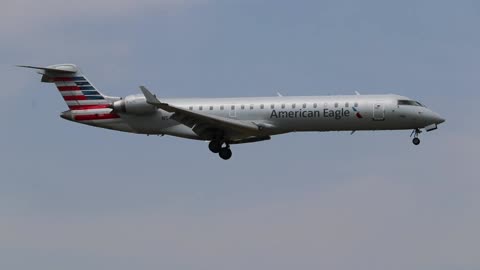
{"type": "Point", "coordinates": [227, 121]}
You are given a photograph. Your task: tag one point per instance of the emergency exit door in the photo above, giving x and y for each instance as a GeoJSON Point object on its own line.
{"type": "Point", "coordinates": [378, 112]}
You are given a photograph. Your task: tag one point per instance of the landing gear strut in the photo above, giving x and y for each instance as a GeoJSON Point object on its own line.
{"type": "Point", "coordinates": [416, 132]}
{"type": "Point", "coordinates": [216, 147]}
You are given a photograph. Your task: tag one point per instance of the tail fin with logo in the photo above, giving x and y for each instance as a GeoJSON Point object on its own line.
{"type": "Point", "coordinates": [75, 88]}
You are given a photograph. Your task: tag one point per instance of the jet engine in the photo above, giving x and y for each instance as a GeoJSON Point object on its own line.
{"type": "Point", "coordinates": [133, 104]}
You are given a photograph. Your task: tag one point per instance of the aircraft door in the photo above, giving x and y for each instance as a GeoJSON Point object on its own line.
{"type": "Point", "coordinates": [378, 112]}
{"type": "Point", "coordinates": [233, 111]}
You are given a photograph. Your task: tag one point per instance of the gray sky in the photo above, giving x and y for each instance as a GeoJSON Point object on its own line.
{"type": "Point", "coordinates": [76, 197]}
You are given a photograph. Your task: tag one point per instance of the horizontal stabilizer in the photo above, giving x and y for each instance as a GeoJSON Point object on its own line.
{"type": "Point", "coordinates": [65, 68]}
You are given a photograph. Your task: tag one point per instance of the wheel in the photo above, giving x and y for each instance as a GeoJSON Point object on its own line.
{"type": "Point", "coordinates": [215, 146]}
{"type": "Point", "coordinates": [225, 153]}
{"type": "Point", "coordinates": [416, 141]}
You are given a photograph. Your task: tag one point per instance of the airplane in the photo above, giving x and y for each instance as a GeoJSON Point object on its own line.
{"type": "Point", "coordinates": [227, 121]}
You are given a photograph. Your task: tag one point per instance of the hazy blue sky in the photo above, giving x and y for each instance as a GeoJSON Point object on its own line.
{"type": "Point", "coordinates": [76, 197]}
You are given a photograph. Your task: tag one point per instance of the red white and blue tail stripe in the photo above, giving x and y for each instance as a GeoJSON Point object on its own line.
{"type": "Point", "coordinates": [79, 93]}
{"type": "Point", "coordinates": [84, 99]}
{"type": "Point", "coordinates": [85, 102]}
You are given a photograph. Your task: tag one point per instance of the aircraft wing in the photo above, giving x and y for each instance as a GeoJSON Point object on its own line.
{"type": "Point", "coordinates": [201, 122]}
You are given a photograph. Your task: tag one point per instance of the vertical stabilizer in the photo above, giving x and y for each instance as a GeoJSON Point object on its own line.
{"type": "Point", "coordinates": [77, 91]}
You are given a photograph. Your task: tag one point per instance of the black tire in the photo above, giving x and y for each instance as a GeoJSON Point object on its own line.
{"type": "Point", "coordinates": [416, 141]}
{"type": "Point", "coordinates": [225, 153]}
{"type": "Point", "coordinates": [215, 146]}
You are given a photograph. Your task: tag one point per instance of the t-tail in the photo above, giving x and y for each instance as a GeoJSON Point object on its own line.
{"type": "Point", "coordinates": [78, 92]}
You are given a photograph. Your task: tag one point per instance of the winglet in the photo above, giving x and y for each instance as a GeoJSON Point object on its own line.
{"type": "Point", "coordinates": [151, 98]}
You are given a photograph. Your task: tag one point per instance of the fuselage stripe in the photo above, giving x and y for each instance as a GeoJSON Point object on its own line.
{"type": "Point", "coordinates": [88, 107]}
{"type": "Point", "coordinates": [96, 116]}
{"type": "Point", "coordinates": [90, 93]}
{"type": "Point", "coordinates": [82, 97]}
{"type": "Point", "coordinates": [82, 83]}
{"type": "Point", "coordinates": [66, 98]}
{"type": "Point", "coordinates": [94, 97]}
{"type": "Point", "coordinates": [72, 87]}
{"type": "Point", "coordinates": [68, 88]}
{"type": "Point", "coordinates": [68, 79]}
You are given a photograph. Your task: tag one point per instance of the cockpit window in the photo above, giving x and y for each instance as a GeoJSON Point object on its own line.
{"type": "Point", "coordinates": [410, 103]}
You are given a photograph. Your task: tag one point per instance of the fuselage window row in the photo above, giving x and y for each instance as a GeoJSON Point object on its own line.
{"type": "Point", "coordinates": [283, 106]}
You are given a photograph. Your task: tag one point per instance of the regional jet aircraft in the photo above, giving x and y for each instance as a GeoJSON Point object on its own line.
{"type": "Point", "coordinates": [227, 121]}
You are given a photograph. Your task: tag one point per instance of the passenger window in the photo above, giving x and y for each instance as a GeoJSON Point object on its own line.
{"type": "Point", "coordinates": [346, 105]}
{"type": "Point", "coordinates": [283, 106]}
{"type": "Point", "coordinates": [261, 106]}
{"type": "Point", "coordinates": [221, 107]}
{"type": "Point", "coordinates": [293, 106]}
{"type": "Point", "coordinates": [272, 106]}
{"type": "Point", "coordinates": [304, 105]}
{"type": "Point", "coordinates": [233, 107]}
{"type": "Point", "coordinates": [356, 104]}
{"type": "Point", "coordinates": [211, 108]}
{"type": "Point", "coordinates": [200, 108]}
{"type": "Point", "coordinates": [336, 104]}
{"type": "Point", "coordinates": [251, 106]}
{"type": "Point", "coordinates": [314, 105]}
{"type": "Point", "coordinates": [191, 108]}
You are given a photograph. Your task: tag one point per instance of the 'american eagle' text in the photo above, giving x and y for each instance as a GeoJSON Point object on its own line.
{"type": "Point", "coordinates": [337, 114]}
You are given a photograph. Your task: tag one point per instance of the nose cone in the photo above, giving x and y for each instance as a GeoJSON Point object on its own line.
{"type": "Point", "coordinates": [436, 118]}
{"type": "Point", "coordinates": [440, 120]}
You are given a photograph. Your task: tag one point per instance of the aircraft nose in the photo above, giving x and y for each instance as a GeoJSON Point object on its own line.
{"type": "Point", "coordinates": [437, 119]}
{"type": "Point", "coordinates": [440, 120]}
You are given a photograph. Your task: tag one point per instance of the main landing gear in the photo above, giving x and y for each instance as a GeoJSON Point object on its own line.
{"type": "Point", "coordinates": [415, 133]}
{"type": "Point", "coordinates": [216, 147]}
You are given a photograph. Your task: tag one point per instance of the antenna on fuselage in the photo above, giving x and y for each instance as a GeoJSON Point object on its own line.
{"type": "Point", "coordinates": [280, 95]}
{"type": "Point", "coordinates": [357, 93]}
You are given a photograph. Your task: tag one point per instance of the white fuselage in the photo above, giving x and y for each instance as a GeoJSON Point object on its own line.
{"type": "Point", "coordinates": [277, 115]}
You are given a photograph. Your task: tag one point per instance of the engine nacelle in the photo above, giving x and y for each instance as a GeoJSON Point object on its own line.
{"type": "Point", "coordinates": [133, 104]}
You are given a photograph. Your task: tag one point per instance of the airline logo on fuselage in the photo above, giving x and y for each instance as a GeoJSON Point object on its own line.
{"type": "Point", "coordinates": [326, 113]}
